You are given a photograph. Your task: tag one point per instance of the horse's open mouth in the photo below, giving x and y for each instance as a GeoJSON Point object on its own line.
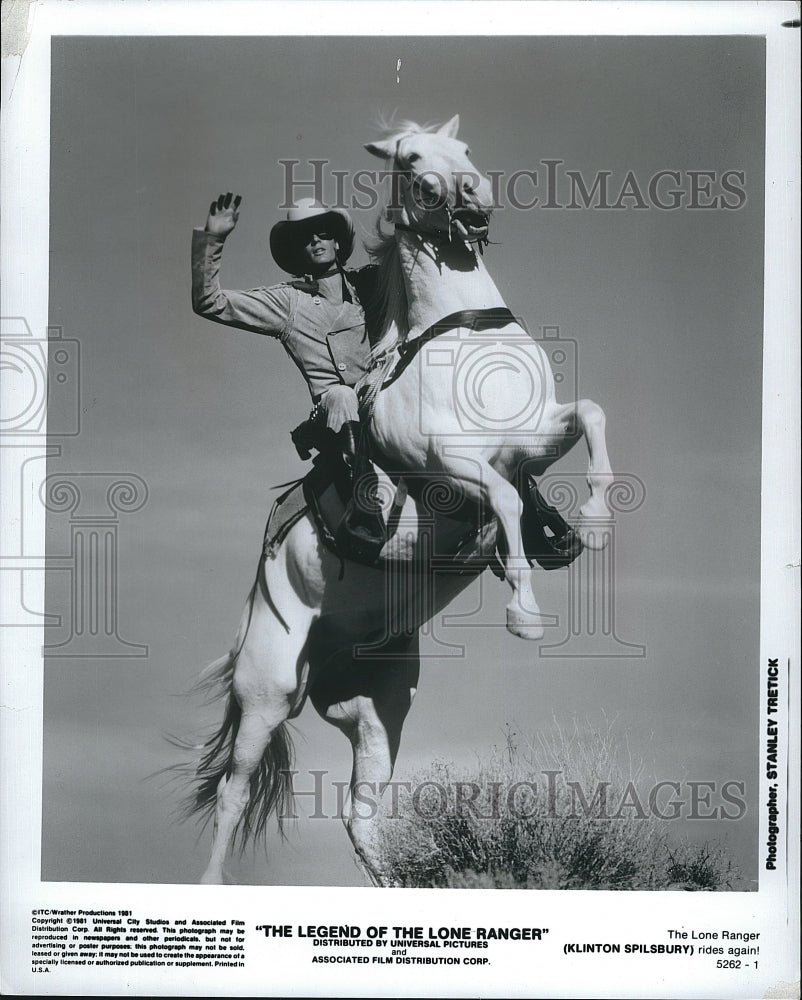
{"type": "Point", "coordinates": [470, 223]}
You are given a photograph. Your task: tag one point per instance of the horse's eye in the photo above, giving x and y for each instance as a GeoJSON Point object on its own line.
{"type": "Point", "coordinates": [467, 151]}
{"type": "Point", "coordinates": [413, 158]}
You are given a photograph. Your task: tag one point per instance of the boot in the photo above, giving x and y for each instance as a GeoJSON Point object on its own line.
{"type": "Point", "coordinates": [362, 531]}
{"type": "Point", "coordinates": [552, 551]}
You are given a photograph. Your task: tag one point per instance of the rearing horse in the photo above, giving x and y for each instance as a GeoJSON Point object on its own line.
{"type": "Point", "coordinates": [431, 270]}
{"type": "Point", "coordinates": [338, 633]}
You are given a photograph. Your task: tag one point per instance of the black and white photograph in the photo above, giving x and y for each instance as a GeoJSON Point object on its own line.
{"type": "Point", "coordinates": [400, 456]}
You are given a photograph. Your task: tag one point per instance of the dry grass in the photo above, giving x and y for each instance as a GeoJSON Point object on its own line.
{"type": "Point", "coordinates": [476, 829]}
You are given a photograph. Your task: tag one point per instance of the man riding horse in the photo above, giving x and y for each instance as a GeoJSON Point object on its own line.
{"type": "Point", "coordinates": [319, 318]}
{"type": "Point", "coordinates": [349, 641]}
{"type": "Point", "coordinates": [327, 319]}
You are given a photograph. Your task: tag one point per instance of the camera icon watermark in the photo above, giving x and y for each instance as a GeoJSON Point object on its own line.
{"type": "Point", "coordinates": [499, 381]}
{"type": "Point", "coordinates": [41, 381]}
{"type": "Point", "coordinates": [40, 407]}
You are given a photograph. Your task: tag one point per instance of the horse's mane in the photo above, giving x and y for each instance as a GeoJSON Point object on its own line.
{"type": "Point", "coordinates": [390, 292]}
{"type": "Point", "coordinates": [391, 296]}
{"type": "Point", "coordinates": [388, 125]}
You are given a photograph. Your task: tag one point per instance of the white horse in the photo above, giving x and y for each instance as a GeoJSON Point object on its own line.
{"type": "Point", "coordinates": [340, 633]}
{"type": "Point", "coordinates": [424, 420]}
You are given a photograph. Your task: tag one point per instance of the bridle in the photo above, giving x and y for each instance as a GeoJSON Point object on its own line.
{"type": "Point", "coordinates": [445, 235]}
{"type": "Point", "coordinates": [436, 235]}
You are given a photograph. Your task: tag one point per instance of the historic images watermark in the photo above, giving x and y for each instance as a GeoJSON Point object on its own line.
{"type": "Point", "coordinates": [551, 185]}
{"type": "Point", "coordinates": [553, 795]}
{"type": "Point", "coordinates": [41, 409]}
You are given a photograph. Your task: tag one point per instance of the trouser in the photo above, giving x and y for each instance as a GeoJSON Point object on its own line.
{"type": "Point", "coordinates": [339, 414]}
{"type": "Point", "coordinates": [334, 426]}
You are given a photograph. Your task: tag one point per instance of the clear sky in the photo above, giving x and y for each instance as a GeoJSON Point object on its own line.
{"type": "Point", "coordinates": [666, 311]}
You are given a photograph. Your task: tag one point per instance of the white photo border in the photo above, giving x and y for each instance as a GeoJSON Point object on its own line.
{"type": "Point", "coordinates": [25, 227]}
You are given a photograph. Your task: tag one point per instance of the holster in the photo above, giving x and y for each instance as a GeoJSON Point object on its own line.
{"type": "Point", "coordinates": [312, 435]}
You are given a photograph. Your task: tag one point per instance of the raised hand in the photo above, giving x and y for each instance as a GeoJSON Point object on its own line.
{"type": "Point", "coordinates": [223, 214]}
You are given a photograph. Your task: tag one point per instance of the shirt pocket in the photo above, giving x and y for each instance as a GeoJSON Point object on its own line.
{"type": "Point", "coordinates": [349, 348]}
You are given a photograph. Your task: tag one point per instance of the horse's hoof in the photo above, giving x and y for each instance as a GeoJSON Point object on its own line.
{"type": "Point", "coordinates": [593, 527]}
{"type": "Point", "coordinates": [524, 626]}
{"type": "Point", "coordinates": [593, 536]}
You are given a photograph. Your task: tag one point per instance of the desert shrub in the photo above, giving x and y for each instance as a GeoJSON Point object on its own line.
{"type": "Point", "coordinates": [564, 813]}
{"type": "Point", "coordinates": [700, 866]}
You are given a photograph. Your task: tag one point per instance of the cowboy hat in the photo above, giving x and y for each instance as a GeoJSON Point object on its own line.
{"type": "Point", "coordinates": [286, 236]}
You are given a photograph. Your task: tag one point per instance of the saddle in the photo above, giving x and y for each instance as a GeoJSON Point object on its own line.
{"type": "Point", "coordinates": [411, 540]}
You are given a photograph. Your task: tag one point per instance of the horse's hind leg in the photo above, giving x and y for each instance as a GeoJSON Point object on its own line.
{"type": "Point", "coordinates": [268, 685]}
{"type": "Point", "coordinates": [369, 703]}
{"type": "Point", "coordinates": [255, 731]}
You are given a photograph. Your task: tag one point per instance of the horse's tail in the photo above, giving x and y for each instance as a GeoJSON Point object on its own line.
{"type": "Point", "coordinates": [271, 783]}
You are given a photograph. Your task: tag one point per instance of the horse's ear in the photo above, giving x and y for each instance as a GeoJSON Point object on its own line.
{"type": "Point", "coordinates": [385, 149]}
{"type": "Point", "coordinates": [450, 128]}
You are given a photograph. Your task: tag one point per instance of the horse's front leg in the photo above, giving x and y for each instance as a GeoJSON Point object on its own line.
{"type": "Point", "coordinates": [594, 514]}
{"type": "Point", "coordinates": [482, 484]}
{"type": "Point", "coordinates": [586, 418]}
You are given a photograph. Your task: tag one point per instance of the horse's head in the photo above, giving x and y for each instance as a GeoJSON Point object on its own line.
{"type": "Point", "coordinates": [436, 187]}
